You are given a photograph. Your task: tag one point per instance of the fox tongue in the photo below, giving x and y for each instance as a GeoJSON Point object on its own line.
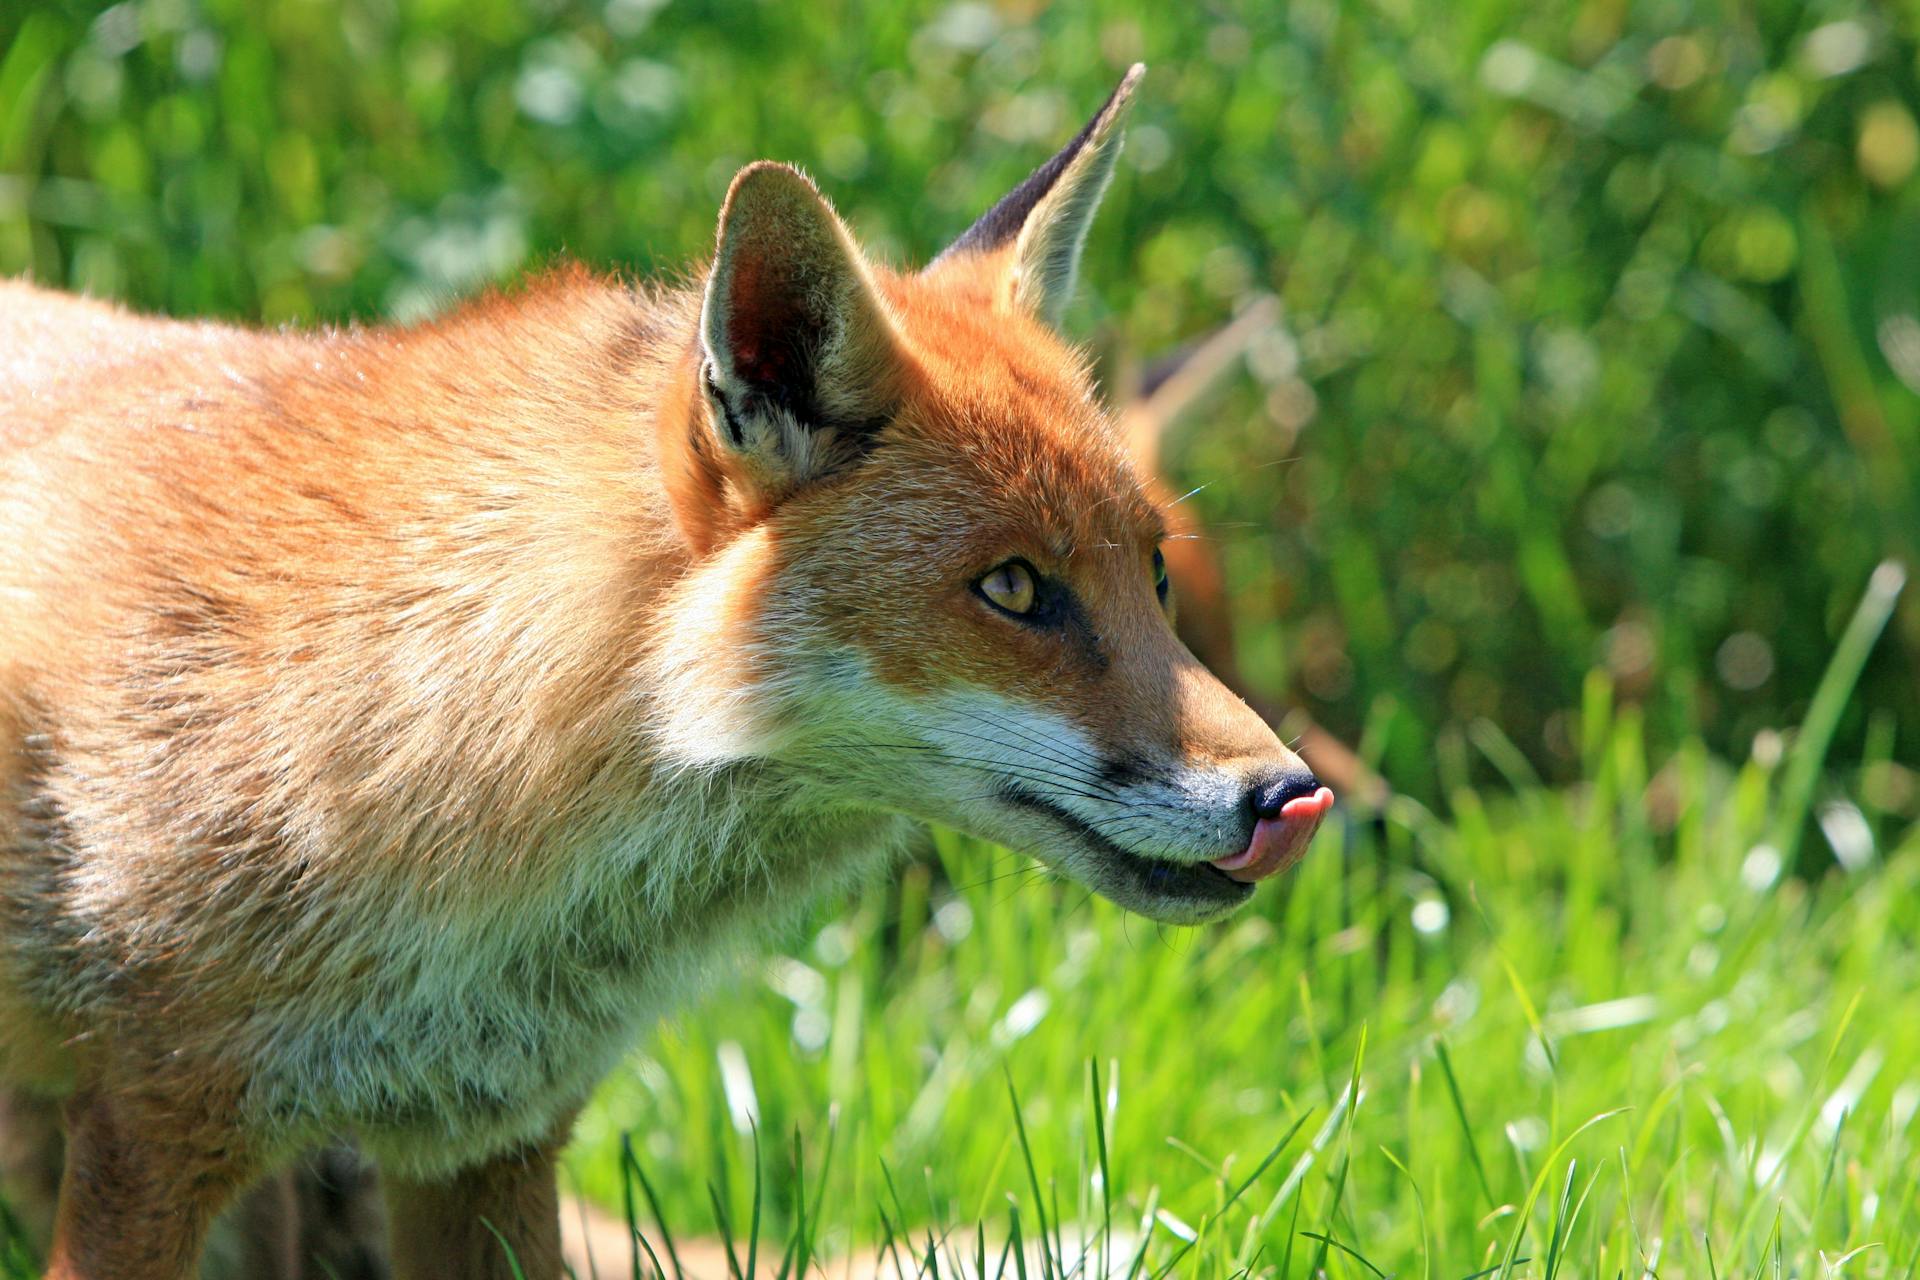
{"type": "Point", "coordinates": [1278, 842]}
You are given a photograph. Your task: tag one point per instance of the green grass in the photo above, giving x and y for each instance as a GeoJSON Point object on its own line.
{"type": "Point", "coordinates": [1592, 1031]}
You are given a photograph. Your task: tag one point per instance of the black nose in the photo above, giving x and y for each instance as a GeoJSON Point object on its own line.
{"type": "Point", "coordinates": [1267, 797]}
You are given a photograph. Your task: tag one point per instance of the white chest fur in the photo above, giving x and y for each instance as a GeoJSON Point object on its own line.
{"type": "Point", "coordinates": [458, 1034]}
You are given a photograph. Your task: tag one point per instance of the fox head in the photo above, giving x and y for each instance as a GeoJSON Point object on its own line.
{"type": "Point", "coordinates": [928, 578]}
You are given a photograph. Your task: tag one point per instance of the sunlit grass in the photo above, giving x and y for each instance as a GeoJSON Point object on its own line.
{"type": "Point", "coordinates": [1742, 1041]}
{"type": "Point", "coordinates": [1596, 1031]}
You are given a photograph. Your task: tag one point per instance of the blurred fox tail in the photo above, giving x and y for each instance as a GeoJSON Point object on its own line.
{"type": "Point", "coordinates": [1167, 389]}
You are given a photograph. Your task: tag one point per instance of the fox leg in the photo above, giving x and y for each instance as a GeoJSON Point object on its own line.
{"type": "Point", "coordinates": [343, 1221]}
{"type": "Point", "coordinates": [321, 1218]}
{"type": "Point", "coordinates": [140, 1189]}
{"type": "Point", "coordinates": [446, 1229]}
{"type": "Point", "coordinates": [259, 1235]}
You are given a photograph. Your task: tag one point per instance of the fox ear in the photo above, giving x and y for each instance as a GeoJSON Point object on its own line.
{"type": "Point", "coordinates": [1041, 224]}
{"type": "Point", "coordinates": [799, 364]}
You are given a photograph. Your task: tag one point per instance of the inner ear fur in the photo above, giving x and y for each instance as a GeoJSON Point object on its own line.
{"type": "Point", "coordinates": [800, 363]}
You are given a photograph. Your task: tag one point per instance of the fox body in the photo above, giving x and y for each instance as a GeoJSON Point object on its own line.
{"type": "Point", "coordinates": [394, 723]}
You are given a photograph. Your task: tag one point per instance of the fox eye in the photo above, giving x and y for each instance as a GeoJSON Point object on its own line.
{"type": "Point", "coordinates": [1009, 587]}
{"type": "Point", "coordinates": [1160, 583]}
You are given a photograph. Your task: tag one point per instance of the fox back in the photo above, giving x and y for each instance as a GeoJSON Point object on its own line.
{"type": "Point", "coordinates": [394, 722]}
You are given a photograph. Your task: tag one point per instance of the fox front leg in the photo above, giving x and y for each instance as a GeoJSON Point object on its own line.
{"type": "Point", "coordinates": [462, 1227]}
{"type": "Point", "coordinates": [143, 1183]}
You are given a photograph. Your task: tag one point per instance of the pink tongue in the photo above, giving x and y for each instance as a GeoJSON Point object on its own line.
{"type": "Point", "coordinates": [1278, 842]}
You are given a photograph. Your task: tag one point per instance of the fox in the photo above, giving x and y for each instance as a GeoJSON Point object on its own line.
{"type": "Point", "coordinates": [397, 722]}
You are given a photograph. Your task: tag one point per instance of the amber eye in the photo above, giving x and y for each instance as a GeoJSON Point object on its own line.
{"type": "Point", "coordinates": [1009, 587]}
{"type": "Point", "coordinates": [1160, 583]}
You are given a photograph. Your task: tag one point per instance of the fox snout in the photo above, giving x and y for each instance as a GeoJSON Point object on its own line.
{"type": "Point", "coordinates": [1284, 801]}
{"type": "Point", "coordinates": [1136, 773]}
{"type": "Point", "coordinates": [1234, 783]}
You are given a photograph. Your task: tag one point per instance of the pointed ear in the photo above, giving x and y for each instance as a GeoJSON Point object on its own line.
{"type": "Point", "coordinates": [1041, 224]}
{"type": "Point", "coordinates": [800, 368]}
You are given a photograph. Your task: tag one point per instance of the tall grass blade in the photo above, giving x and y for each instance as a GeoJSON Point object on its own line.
{"type": "Point", "coordinates": [1106, 1172]}
{"type": "Point", "coordinates": [631, 1165]}
{"type": "Point", "coordinates": [1466, 1125]}
{"type": "Point", "coordinates": [1558, 1240]}
{"type": "Point", "coordinates": [1420, 1206]}
{"type": "Point", "coordinates": [797, 1244]}
{"type": "Point", "coordinates": [1293, 1233]}
{"type": "Point", "coordinates": [1539, 1184]}
{"type": "Point", "coordinates": [1771, 1243]}
{"type": "Point", "coordinates": [1327, 1241]}
{"type": "Point", "coordinates": [725, 1226]}
{"type": "Point", "coordinates": [753, 1224]}
{"type": "Point", "coordinates": [1047, 1269]}
{"type": "Point", "coordinates": [513, 1259]}
{"type": "Point", "coordinates": [1830, 698]}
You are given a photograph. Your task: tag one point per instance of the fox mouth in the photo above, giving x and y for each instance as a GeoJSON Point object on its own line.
{"type": "Point", "coordinates": [1178, 892]}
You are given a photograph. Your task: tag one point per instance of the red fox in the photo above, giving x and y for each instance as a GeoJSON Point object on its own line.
{"type": "Point", "coordinates": [394, 723]}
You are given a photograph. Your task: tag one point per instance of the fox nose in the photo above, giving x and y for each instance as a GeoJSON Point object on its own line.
{"type": "Point", "coordinates": [1270, 796]}
{"type": "Point", "coordinates": [1286, 812]}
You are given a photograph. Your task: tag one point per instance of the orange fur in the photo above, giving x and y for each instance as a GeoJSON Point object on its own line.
{"type": "Point", "coordinates": [395, 721]}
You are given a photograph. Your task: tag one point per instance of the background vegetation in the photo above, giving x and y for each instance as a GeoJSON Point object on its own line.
{"type": "Point", "coordinates": [1590, 411]}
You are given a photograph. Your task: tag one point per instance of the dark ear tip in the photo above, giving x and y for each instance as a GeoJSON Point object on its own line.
{"type": "Point", "coordinates": [1000, 224]}
{"type": "Point", "coordinates": [1122, 94]}
{"type": "Point", "coordinates": [1103, 121]}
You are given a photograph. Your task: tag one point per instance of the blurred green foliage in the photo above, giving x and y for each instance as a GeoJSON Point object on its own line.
{"type": "Point", "coordinates": [1601, 318]}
